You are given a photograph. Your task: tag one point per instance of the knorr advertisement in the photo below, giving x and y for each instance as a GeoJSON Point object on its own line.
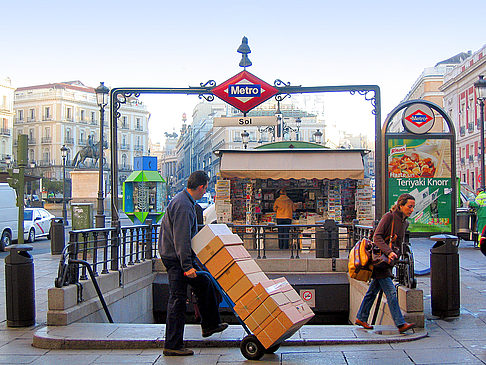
{"type": "Point", "coordinates": [422, 168]}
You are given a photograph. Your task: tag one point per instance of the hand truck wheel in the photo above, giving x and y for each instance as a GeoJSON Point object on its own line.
{"type": "Point", "coordinates": [251, 348]}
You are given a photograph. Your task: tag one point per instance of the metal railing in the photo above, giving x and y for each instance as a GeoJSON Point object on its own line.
{"type": "Point", "coordinates": [107, 249]}
{"type": "Point", "coordinates": [114, 248]}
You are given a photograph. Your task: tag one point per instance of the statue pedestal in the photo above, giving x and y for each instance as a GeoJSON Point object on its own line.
{"type": "Point", "coordinates": [85, 187]}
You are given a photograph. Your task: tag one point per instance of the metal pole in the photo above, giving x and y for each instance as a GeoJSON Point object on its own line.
{"type": "Point", "coordinates": [64, 211]}
{"type": "Point", "coordinates": [481, 106]}
{"type": "Point", "coordinates": [100, 214]}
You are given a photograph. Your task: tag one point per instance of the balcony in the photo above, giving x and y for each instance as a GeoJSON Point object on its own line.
{"type": "Point", "coordinates": [5, 131]}
{"type": "Point", "coordinates": [138, 148]}
{"type": "Point", "coordinates": [471, 158]}
{"type": "Point", "coordinates": [68, 140]}
{"type": "Point", "coordinates": [470, 127]}
{"type": "Point", "coordinates": [463, 160]}
{"type": "Point", "coordinates": [82, 142]}
{"type": "Point", "coordinates": [94, 122]}
{"type": "Point", "coordinates": [125, 147]}
{"type": "Point", "coordinates": [139, 128]}
{"type": "Point", "coordinates": [124, 126]}
{"type": "Point", "coordinates": [46, 140]}
{"type": "Point", "coordinates": [31, 141]}
{"type": "Point", "coordinates": [462, 130]}
{"type": "Point", "coordinates": [83, 121]}
{"type": "Point", "coordinates": [31, 120]}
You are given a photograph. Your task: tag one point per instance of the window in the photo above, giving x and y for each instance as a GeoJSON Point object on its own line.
{"type": "Point", "coordinates": [81, 136]}
{"type": "Point", "coordinates": [31, 134]}
{"type": "Point", "coordinates": [47, 113]}
{"type": "Point", "coordinates": [124, 140]}
{"type": "Point", "coordinates": [32, 114]}
{"type": "Point", "coordinates": [69, 114]}
{"type": "Point", "coordinates": [124, 160]}
{"type": "Point", "coordinates": [83, 114]}
{"type": "Point", "coordinates": [21, 115]}
{"type": "Point", "coordinates": [68, 133]}
{"type": "Point", "coordinates": [93, 116]}
{"type": "Point", "coordinates": [138, 124]}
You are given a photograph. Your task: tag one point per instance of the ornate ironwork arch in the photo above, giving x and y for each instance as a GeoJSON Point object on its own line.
{"type": "Point", "coordinates": [119, 96]}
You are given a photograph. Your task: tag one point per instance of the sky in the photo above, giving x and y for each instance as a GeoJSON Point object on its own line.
{"type": "Point", "coordinates": [158, 43]}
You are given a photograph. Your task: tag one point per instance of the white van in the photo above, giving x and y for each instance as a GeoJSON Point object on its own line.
{"type": "Point", "coordinates": [9, 215]}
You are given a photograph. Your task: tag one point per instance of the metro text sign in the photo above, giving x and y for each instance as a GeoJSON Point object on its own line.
{"type": "Point", "coordinates": [244, 91]}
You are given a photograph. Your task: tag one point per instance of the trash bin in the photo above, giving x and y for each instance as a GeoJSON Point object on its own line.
{"type": "Point", "coordinates": [327, 239]}
{"type": "Point", "coordinates": [444, 276]}
{"type": "Point", "coordinates": [57, 236]}
{"type": "Point", "coordinates": [19, 286]}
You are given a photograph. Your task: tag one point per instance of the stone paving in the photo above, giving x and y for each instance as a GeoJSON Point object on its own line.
{"type": "Point", "coordinates": [449, 341]}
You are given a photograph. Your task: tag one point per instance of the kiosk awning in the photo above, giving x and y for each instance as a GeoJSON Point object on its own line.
{"type": "Point", "coordinates": [292, 164]}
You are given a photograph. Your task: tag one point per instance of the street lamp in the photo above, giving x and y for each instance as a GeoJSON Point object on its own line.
{"type": "Point", "coordinates": [245, 138]}
{"type": "Point", "coordinates": [102, 100]}
{"type": "Point", "coordinates": [287, 129]}
{"type": "Point", "coordinates": [8, 161]}
{"type": "Point", "coordinates": [64, 152]}
{"type": "Point", "coordinates": [480, 87]}
{"type": "Point", "coordinates": [318, 136]}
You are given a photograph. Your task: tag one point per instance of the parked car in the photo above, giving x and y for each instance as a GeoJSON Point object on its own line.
{"type": "Point", "coordinates": [209, 215]}
{"type": "Point", "coordinates": [9, 215]}
{"type": "Point", "coordinates": [205, 201]}
{"type": "Point", "coordinates": [37, 223]}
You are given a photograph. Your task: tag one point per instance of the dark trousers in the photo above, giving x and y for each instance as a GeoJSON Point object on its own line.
{"type": "Point", "coordinates": [176, 306]}
{"type": "Point", "coordinates": [283, 233]}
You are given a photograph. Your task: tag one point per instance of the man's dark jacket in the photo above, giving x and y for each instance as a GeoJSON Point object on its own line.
{"type": "Point", "coordinates": [178, 226]}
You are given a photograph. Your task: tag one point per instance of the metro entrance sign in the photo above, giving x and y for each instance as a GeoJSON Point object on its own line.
{"type": "Point", "coordinates": [244, 91]}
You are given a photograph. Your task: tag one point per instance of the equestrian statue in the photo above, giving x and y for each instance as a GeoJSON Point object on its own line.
{"type": "Point", "coordinates": [91, 151]}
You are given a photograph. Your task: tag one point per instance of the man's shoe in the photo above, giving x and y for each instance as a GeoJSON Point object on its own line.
{"type": "Point", "coordinates": [179, 352]}
{"type": "Point", "coordinates": [363, 324]}
{"type": "Point", "coordinates": [405, 327]}
{"type": "Point", "coordinates": [220, 328]}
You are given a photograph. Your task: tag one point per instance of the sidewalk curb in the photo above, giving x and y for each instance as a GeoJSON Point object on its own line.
{"type": "Point", "coordinates": [71, 337]}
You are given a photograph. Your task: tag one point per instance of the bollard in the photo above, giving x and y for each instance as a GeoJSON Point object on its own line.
{"type": "Point", "coordinates": [57, 236]}
{"type": "Point", "coordinates": [19, 285]}
{"type": "Point", "coordinates": [444, 276]}
{"type": "Point", "coordinates": [327, 239]}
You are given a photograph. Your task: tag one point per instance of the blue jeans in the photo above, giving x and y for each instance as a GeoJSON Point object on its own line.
{"type": "Point", "coordinates": [386, 284]}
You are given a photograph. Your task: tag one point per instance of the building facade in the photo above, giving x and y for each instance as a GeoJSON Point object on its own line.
{"type": "Point", "coordinates": [461, 105]}
{"type": "Point", "coordinates": [6, 118]}
{"type": "Point", "coordinates": [67, 113]}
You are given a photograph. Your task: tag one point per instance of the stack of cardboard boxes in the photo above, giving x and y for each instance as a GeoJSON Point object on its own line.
{"type": "Point", "coordinates": [271, 309]}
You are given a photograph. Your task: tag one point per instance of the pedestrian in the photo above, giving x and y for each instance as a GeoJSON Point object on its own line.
{"type": "Point", "coordinates": [285, 208]}
{"type": "Point", "coordinates": [479, 205]}
{"type": "Point", "coordinates": [178, 226]}
{"type": "Point", "coordinates": [392, 228]}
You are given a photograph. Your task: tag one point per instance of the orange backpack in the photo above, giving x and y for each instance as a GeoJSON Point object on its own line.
{"type": "Point", "coordinates": [359, 264]}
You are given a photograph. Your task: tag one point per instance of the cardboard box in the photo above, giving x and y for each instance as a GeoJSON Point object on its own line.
{"type": "Point", "coordinates": [245, 284]}
{"type": "Point", "coordinates": [287, 321]}
{"type": "Point", "coordinates": [236, 271]}
{"type": "Point", "coordinates": [225, 257]}
{"type": "Point", "coordinates": [207, 234]}
{"type": "Point", "coordinates": [216, 244]}
{"type": "Point", "coordinates": [264, 292]}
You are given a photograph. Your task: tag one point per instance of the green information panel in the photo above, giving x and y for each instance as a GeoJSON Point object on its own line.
{"type": "Point", "coordinates": [422, 167]}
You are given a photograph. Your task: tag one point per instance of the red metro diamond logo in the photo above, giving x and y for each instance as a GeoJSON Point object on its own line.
{"type": "Point", "coordinates": [244, 91]}
{"type": "Point", "coordinates": [419, 118]}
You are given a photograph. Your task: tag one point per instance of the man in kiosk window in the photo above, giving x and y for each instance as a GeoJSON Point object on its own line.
{"type": "Point", "coordinates": [285, 209]}
{"type": "Point", "coordinates": [178, 226]}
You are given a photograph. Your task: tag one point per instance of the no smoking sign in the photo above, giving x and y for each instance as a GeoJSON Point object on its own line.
{"type": "Point", "coordinates": [308, 296]}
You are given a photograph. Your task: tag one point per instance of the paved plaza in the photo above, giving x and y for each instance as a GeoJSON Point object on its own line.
{"type": "Point", "coordinates": [444, 341]}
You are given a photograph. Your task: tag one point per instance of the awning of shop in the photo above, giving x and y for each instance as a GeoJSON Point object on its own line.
{"type": "Point", "coordinates": [292, 164]}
